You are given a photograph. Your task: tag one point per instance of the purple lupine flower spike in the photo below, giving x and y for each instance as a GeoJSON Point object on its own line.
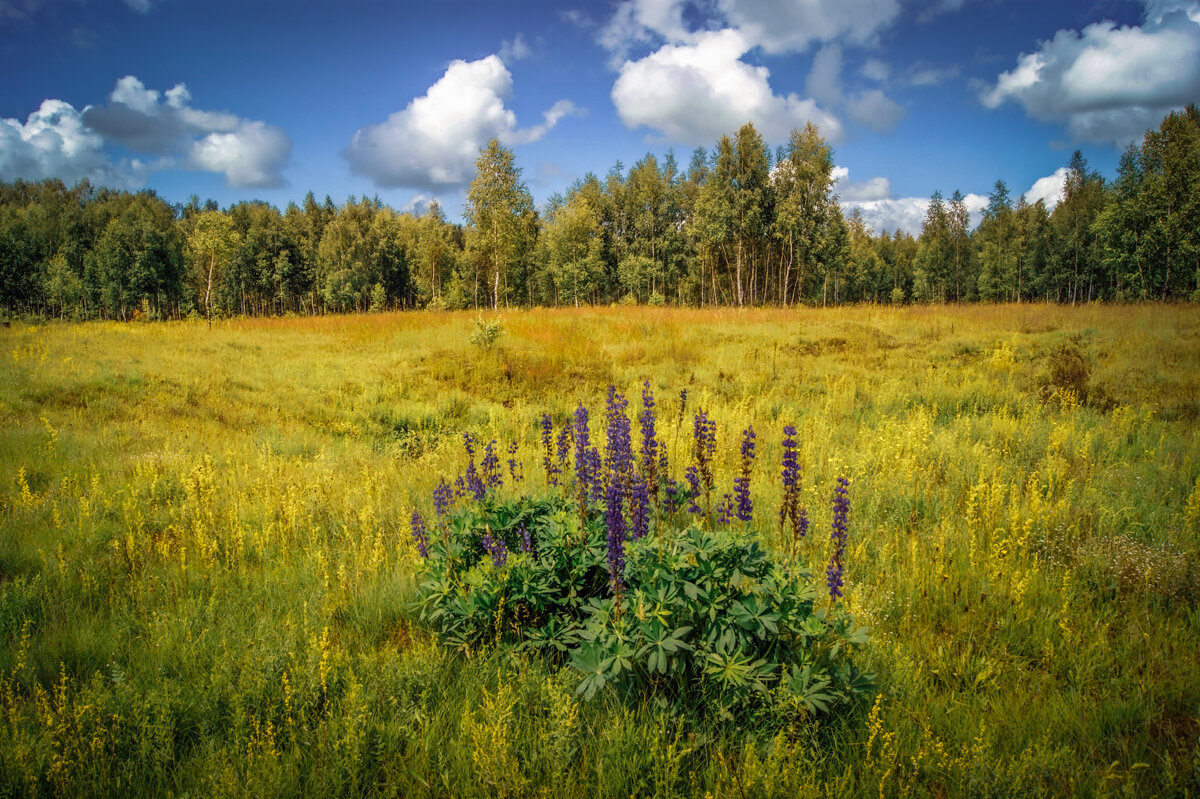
{"type": "Point", "coordinates": [725, 510]}
{"type": "Point", "coordinates": [639, 509]}
{"type": "Point", "coordinates": [419, 534]}
{"type": "Point", "coordinates": [443, 498]}
{"type": "Point", "coordinates": [614, 522]}
{"type": "Point", "coordinates": [563, 445]}
{"type": "Point", "coordinates": [745, 510]}
{"type": "Point", "coordinates": [618, 447]}
{"type": "Point", "coordinates": [491, 466]}
{"type": "Point", "coordinates": [841, 529]}
{"type": "Point", "coordinates": [790, 510]}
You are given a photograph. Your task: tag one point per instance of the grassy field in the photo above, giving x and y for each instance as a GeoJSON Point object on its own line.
{"type": "Point", "coordinates": [206, 575]}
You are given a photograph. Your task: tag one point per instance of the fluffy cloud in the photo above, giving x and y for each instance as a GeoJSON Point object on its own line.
{"type": "Point", "coordinates": [698, 84]}
{"type": "Point", "coordinates": [251, 154]}
{"type": "Point", "coordinates": [59, 141]}
{"type": "Point", "coordinates": [780, 26]}
{"type": "Point", "coordinates": [54, 142]}
{"type": "Point", "coordinates": [642, 22]}
{"type": "Point", "coordinates": [433, 143]}
{"type": "Point", "coordinates": [514, 49]}
{"type": "Point", "coordinates": [1048, 189]}
{"type": "Point", "coordinates": [696, 92]}
{"type": "Point", "coordinates": [866, 191]}
{"type": "Point", "coordinates": [146, 121]}
{"type": "Point", "coordinates": [777, 26]}
{"type": "Point", "coordinates": [872, 198]}
{"type": "Point", "coordinates": [907, 213]}
{"type": "Point", "coordinates": [1109, 83]}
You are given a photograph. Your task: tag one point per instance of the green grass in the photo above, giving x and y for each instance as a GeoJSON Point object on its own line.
{"type": "Point", "coordinates": [205, 568]}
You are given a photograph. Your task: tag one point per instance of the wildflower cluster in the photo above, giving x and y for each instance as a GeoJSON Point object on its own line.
{"type": "Point", "coordinates": [473, 482]}
{"type": "Point", "coordinates": [602, 573]}
{"type": "Point", "coordinates": [496, 548]}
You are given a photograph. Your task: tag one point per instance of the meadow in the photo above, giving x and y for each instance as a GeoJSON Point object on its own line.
{"type": "Point", "coordinates": [207, 581]}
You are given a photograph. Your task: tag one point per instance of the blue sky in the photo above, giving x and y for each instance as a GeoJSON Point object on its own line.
{"type": "Point", "coordinates": [267, 99]}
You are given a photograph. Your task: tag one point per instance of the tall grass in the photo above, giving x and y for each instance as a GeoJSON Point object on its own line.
{"type": "Point", "coordinates": [205, 569]}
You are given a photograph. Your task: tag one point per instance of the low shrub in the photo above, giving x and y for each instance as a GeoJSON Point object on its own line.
{"type": "Point", "coordinates": [673, 606]}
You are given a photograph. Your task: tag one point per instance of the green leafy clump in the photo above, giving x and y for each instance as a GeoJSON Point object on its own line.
{"type": "Point", "coordinates": [708, 622]}
{"type": "Point", "coordinates": [486, 333]}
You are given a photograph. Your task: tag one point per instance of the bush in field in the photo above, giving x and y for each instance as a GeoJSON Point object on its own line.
{"type": "Point", "coordinates": [639, 583]}
{"type": "Point", "coordinates": [486, 333]}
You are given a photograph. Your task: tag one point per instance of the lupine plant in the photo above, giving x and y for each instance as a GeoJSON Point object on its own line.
{"type": "Point", "coordinates": [698, 614]}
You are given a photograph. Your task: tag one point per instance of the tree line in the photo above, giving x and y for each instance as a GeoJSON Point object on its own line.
{"type": "Point", "coordinates": [740, 225]}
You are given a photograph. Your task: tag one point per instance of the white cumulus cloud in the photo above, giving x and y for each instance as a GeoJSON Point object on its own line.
{"type": "Point", "coordinates": [698, 84]}
{"type": "Point", "coordinates": [59, 141]}
{"type": "Point", "coordinates": [250, 153]}
{"type": "Point", "coordinates": [872, 198]}
{"type": "Point", "coordinates": [1109, 83]}
{"type": "Point", "coordinates": [876, 188]}
{"type": "Point", "coordinates": [695, 93]}
{"type": "Point", "coordinates": [781, 26]}
{"type": "Point", "coordinates": [432, 144]}
{"type": "Point", "coordinates": [54, 142]}
{"type": "Point", "coordinates": [1048, 189]}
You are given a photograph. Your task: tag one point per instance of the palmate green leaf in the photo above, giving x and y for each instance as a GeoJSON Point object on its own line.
{"type": "Point", "coordinates": [736, 670]}
{"type": "Point", "coordinates": [810, 689]}
{"type": "Point", "coordinates": [554, 634]}
{"type": "Point", "coordinates": [588, 660]}
{"type": "Point", "coordinates": [662, 647]}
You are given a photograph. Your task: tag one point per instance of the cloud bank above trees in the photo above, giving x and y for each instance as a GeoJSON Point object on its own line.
{"type": "Point", "coordinates": [162, 130]}
{"type": "Point", "coordinates": [881, 211]}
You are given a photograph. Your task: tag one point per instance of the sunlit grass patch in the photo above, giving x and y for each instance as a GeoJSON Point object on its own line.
{"type": "Point", "coordinates": [206, 573]}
